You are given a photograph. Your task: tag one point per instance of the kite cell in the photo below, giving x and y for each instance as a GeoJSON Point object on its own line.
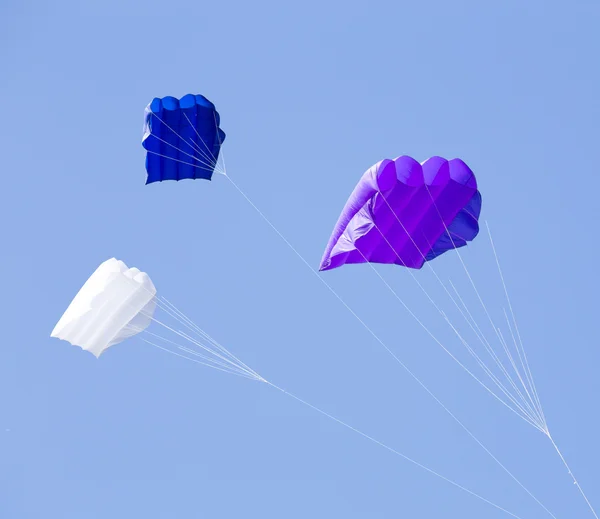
{"type": "Point", "coordinates": [406, 213]}
{"type": "Point", "coordinates": [182, 138]}
{"type": "Point", "coordinates": [115, 303]}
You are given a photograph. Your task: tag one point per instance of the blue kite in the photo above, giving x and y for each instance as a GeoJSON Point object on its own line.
{"type": "Point", "coordinates": [182, 138]}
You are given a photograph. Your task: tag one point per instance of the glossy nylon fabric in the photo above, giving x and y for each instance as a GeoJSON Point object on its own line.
{"type": "Point", "coordinates": [182, 138]}
{"type": "Point", "coordinates": [399, 211]}
{"type": "Point", "coordinates": [115, 303]}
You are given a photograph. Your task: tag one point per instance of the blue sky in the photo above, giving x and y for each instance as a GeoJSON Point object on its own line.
{"type": "Point", "coordinates": [310, 96]}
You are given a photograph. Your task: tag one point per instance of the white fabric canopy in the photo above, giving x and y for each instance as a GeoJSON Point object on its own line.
{"type": "Point", "coordinates": [115, 303]}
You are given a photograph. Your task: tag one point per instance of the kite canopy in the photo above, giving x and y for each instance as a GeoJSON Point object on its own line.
{"type": "Point", "coordinates": [115, 303]}
{"type": "Point", "coordinates": [405, 213]}
{"type": "Point", "coordinates": [182, 138]}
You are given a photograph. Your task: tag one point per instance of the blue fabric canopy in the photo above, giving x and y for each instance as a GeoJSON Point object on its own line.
{"type": "Point", "coordinates": [182, 138]}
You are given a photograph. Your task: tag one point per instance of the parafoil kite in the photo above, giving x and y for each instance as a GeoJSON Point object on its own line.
{"type": "Point", "coordinates": [182, 138]}
{"type": "Point", "coordinates": [405, 213]}
{"type": "Point", "coordinates": [115, 303]}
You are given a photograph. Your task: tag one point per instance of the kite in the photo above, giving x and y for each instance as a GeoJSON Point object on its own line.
{"type": "Point", "coordinates": [406, 213]}
{"type": "Point", "coordinates": [182, 138]}
{"type": "Point", "coordinates": [115, 303]}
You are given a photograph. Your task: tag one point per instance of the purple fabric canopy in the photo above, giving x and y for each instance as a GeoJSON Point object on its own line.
{"type": "Point", "coordinates": [401, 212]}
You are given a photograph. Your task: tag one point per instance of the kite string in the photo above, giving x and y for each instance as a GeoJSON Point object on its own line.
{"type": "Point", "coordinates": [197, 343]}
{"type": "Point", "coordinates": [354, 429]}
{"type": "Point", "coordinates": [523, 359]}
{"type": "Point", "coordinates": [215, 343]}
{"type": "Point", "coordinates": [534, 389]}
{"type": "Point", "coordinates": [255, 376]}
{"type": "Point", "coordinates": [538, 416]}
{"type": "Point", "coordinates": [194, 360]}
{"type": "Point", "coordinates": [480, 335]}
{"type": "Point", "coordinates": [471, 351]}
{"type": "Point", "coordinates": [337, 420]}
{"type": "Point", "coordinates": [390, 449]}
{"type": "Point", "coordinates": [199, 355]}
{"type": "Point", "coordinates": [199, 331]}
{"type": "Point", "coordinates": [575, 482]}
{"type": "Point", "coordinates": [234, 366]}
{"type": "Point", "coordinates": [510, 356]}
{"type": "Point", "coordinates": [376, 337]}
{"type": "Point", "coordinates": [178, 315]}
{"type": "Point", "coordinates": [522, 347]}
{"type": "Point", "coordinates": [414, 316]}
{"type": "Point", "coordinates": [188, 323]}
{"type": "Point", "coordinates": [464, 265]}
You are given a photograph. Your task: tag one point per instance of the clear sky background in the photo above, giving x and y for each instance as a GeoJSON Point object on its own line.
{"type": "Point", "coordinates": [310, 94]}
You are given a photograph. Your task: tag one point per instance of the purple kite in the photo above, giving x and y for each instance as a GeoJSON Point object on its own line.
{"type": "Point", "coordinates": [406, 213]}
